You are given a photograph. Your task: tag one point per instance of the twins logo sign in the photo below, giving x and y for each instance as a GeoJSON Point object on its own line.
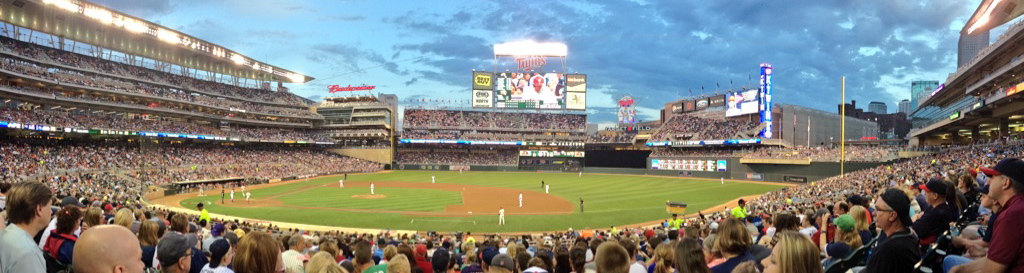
{"type": "Point", "coordinates": [531, 63]}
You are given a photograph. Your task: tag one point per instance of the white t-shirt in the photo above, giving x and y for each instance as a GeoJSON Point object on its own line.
{"type": "Point", "coordinates": [809, 231]}
{"type": "Point", "coordinates": [637, 268]}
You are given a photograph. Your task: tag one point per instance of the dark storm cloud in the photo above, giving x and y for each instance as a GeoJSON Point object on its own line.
{"type": "Point", "coordinates": [665, 48]}
{"type": "Point", "coordinates": [348, 59]}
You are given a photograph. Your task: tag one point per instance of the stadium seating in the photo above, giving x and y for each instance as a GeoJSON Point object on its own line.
{"type": "Point", "coordinates": [686, 127]}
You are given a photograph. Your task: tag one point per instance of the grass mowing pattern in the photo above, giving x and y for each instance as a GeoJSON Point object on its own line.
{"type": "Point", "coordinates": [402, 199]}
{"type": "Point", "coordinates": [610, 200]}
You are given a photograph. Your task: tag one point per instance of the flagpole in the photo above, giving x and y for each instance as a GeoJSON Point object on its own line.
{"type": "Point", "coordinates": [842, 134]}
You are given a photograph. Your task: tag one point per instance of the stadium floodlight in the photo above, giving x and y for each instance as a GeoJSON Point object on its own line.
{"type": "Point", "coordinates": [169, 36]}
{"type": "Point", "coordinates": [531, 48]}
{"type": "Point", "coordinates": [132, 25]}
{"type": "Point", "coordinates": [67, 5]}
{"type": "Point", "coordinates": [237, 58]}
{"type": "Point", "coordinates": [992, 13]}
{"type": "Point", "coordinates": [296, 77]}
{"type": "Point", "coordinates": [100, 14]}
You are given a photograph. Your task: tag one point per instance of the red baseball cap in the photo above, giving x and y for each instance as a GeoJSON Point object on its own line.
{"type": "Point", "coordinates": [987, 171]}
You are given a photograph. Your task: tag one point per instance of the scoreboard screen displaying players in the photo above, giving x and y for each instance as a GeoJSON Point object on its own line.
{"type": "Point", "coordinates": [742, 103]}
{"type": "Point", "coordinates": [529, 90]}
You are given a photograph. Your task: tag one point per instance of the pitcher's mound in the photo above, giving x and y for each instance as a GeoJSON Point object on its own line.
{"type": "Point", "coordinates": [368, 196]}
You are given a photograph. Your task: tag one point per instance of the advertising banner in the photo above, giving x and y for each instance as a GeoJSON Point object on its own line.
{"type": "Point", "coordinates": [688, 106]}
{"type": "Point", "coordinates": [483, 80]}
{"type": "Point", "coordinates": [742, 103]}
{"type": "Point", "coordinates": [576, 82]}
{"type": "Point", "coordinates": [576, 101]}
{"type": "Point", "coordinates": [716, 101]}
{"type": "Point", "coordinates": [702, 104]}
{"type": "Point", "coordinates": [483, 99]}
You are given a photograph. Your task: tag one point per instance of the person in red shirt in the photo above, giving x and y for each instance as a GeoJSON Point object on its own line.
{"type": "Point", "coordinates": [1005, 254]}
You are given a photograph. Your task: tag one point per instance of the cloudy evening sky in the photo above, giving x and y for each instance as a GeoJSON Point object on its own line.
{"type": "Point", "coordinates": [655, 50]}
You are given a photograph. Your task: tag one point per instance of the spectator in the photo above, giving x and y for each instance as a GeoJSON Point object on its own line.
{"type": "Point", "coordinates": [258, 253]}
{"type": "Point", "coordinates": [578, 259]}
{"type": "Point", "coordinates": [425, 266]}
{"type": "Point", "coordinates": [148, 234]}
{"type": "Point", "coordinates": [900, 250]}
{"type": "Point", "coordinates": [613, 258]}
{"type": "Point", "coordinates": [322, 262]}
{"type": "Point", "coordinates": [1006, 181]}
{"type": "Point", "coordinates": [28, 210]}
{"type": "Point", "coordinates": [783, 222]}
{"type": "Point", "coordinates": [794, 253]}
{"type": "Point", "coordinates": [93, 217]}
{"type": "Point", "coordinates": [216, 233]}
{"type": "Point", "coordinates": [439, 260]}
{"type": "Point", "coordinates": [689, 257]}
{"type": "Point", "coordinates": [174, 253]}
{"type": "Point", "coordinates": [931, 224]}
{"type": "Point", "coordinates": [107, 248]}
{"type": "Point", "coordinates": [846, 232]}
{"type": "Point", "coordinates": [363, 257]}
{"type": "Point", "coordinates": [502, 263]}
{"type": "Point", "coordinates": [630, 246]}
{"type": "Point", "coordinates": [733, 242]}
{"type": "Point", "coordinates": [293, 258]}
{"type": "Point", "coordinates": [399, 264]}
{"type": "Point", "coordinates": [220, 257]}
{"type": "Point", "coordinates": [862, 224]}
{"type": "Point", "coordinates": [61, 243]}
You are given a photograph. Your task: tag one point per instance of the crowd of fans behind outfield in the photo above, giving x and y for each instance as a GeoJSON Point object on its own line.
{"type": "Point", "coordinates": [685, 127]}
{"type": "Point", "coordinates": [440, 119]}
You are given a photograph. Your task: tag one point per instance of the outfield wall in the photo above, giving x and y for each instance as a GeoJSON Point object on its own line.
{"type": "Point", "coordinates": [734, 169]}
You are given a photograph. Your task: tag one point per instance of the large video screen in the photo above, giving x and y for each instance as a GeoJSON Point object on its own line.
{"type": "Point", "coordinates": [550, 153]}
{"type": "Point", "coordinates": [742, 103]}
{"type": "Point", "coordinates": [530, 90]}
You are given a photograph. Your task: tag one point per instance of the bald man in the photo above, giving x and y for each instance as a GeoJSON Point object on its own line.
{"type": "Point", "coordinates": [108, 248]}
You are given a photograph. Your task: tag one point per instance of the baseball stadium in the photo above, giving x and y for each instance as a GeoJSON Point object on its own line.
{"type": "Point", "coordinates": [133, 141]}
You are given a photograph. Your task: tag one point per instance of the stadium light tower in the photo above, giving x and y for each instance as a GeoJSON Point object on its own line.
{"type": "Point", "coordinates": [992, 13]}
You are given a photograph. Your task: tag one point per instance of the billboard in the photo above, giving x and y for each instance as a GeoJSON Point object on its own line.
{"type": "Point", "coordinates": [742, 103]}
{"type": "Point", "coordinates": [483, 80]}
{"type": "Point", "coordinates": [688, 106]}
{"type": "Point", "coordinates": [716, 101]}
{"type": "Point", "coordinates": [530, 90]}
{"type": "Point", "coordinates": [677, 108]}
{"type": "Point", "coordinates": [627, 110]}
{"type": "Point", "coordinates": [688, 165]}
{"type": "Point", "coordinates": [576, 100]}
{"type": "Point", "coordinates": [576, 83]}
{"type": "Point", "coordinates": [766, 99]}
{"type": "Point", "coordinates": [702, 104]}
{"type": "Point", "coordinates": [483, 98]}
{"type": "Point", "coordinates": [549, 153]}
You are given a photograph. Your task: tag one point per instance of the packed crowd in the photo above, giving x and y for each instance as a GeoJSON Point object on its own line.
{"type": "Point", "coordinates": [684, 127]}
{"type": "Point", "coordinates": [84, 119]}
{"type": "Point", "coordinates": [896, 211]}
{"type": "Point", "coordinates": [20, 160]}
{"type": "Point", "coordinates": [68, 76]}
{"type": "Point", "coordinates": [828, 154]}
{"type": "Point", "coordinates": [421, 118]}
{"type": "Point", "coordinates": [140, 74]}
{"type": "Point", "coordinates": [454, 156]}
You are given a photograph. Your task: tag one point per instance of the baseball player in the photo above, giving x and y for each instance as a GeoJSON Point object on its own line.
{"type": "Point", "coordinates": [247, 195]}
{"type": "Point", "coordinates": [243, 188]}
{"type": "Point", "coordinates": [581, 173]}
{"type": "Point", "coordinates": [723, 180]}
{"type": "Point", "coordinates": [201, 193]}
{"type": "Point", "coordinates": [581, 204]}
{"type": "Point", "coordinates": [222, 194]}
{"type": "Point", "coordinates": [546, 188]}
{"type": "Point", "coordinates": [371, 189]}
{"type": "Point", "coordinates": [232, 195]}
{"type": "Point", "coordinates": [432, 180]}
{"type": "Point", "coordinates": [542, 184]}
{"type": "Point", "coordinates": [501, 216]}
{"type": "Point", "coordinates": [341, 183]}
{"type": "Point", "coordinates": [520, 199]}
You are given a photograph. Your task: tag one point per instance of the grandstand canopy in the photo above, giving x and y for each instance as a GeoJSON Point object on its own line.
{"type": "Point", "coordinates": [107, 29]}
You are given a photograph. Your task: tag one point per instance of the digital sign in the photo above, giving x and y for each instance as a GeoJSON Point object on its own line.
{"type": "Point", "coordinates": [483, 80]}
{"type": "Point", "coordinates": [766, 100]}
{"type": "Point", "coordinates": [698, 165]}
{"type": "Point", "coordinates": [742, 103]}
{"type": "Point", "coordinates": [483, 99]}
{"type": "Point", "coordinates": [702, 104]}
{"type": "Point", "coordinates": [627, 110]}
{"type": "Point", "coordinates": [576, 101]}
{"type": "Point", "coordinates": [530, 90]}
{"type": "Point", "coordinates": [716, 101]}
{"type": "Point", "coordinates": [549, 153]}
{"type": "Point", "coordinates": [688, 106]}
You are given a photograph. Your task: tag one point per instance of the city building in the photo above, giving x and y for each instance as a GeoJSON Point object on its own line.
{"type": "Point", "coordinates": [878, 107]}
{"type": "Point", "coordinates": [890, 126]}
{"type": "Point", "coordinates": [811, 127]}
{"type": "Point", "coordinates": [969, 46]}
{"type": "Point", "coordinates": [919, 89]}
{"type": "Point", "coordinates": [904, 107]}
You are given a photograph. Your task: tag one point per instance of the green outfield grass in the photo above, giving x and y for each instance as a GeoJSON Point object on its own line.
{"type": "Point", "coordinates": [610, 200]}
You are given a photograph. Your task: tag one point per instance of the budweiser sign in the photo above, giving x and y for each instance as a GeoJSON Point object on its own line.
{"type": "Point", "coordinates": [339, 88]}
{"type": "Point", "coordinates": [531, 63]}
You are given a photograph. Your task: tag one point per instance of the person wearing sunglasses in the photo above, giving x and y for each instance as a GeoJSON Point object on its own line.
{"type": "Point", "coordinates": [174, 253]}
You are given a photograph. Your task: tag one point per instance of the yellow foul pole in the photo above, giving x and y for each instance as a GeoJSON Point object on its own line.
{"type": "Point", "coordinates": [842, 134]}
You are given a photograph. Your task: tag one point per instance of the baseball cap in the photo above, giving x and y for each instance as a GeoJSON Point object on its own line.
{"type": "Point", "coordinates": [489, 253]}
{"type": "Point", "coordinates": [936, 186]}
{"type": "Point", "coordinates": [1010, 167]}
{"type": "Point", "coordinates": [714, 225]}
{"type": "Point", "coordinates": [900, 204]}
{"type": "Point", "coordinates": [108, 207]}
{"type": "Point", "coordinates": [200, 205]}
{"type": "Point", "coordinates": [984, 190]}
{"type": "Point", "coordinates": [503, 261]}
{"type": "Point", "coordinates": [440, 258]}
{"type": "Point", "coordinates": [97, 203]}
{"type": "Point", "coordinates": [231, 237]}
{"type": "Point", "coordinates": [70, 201]}
{"type": "Point", "coordinates": [171, 248]}
{"type": "Point", "coordinates": [837, 250]}
{"type": "Point", "coordinates": [217, 229]}
{"type": "Point", "coordinates": [218, 249]}
{"type": "Point", "coordinates": [844, 222]}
